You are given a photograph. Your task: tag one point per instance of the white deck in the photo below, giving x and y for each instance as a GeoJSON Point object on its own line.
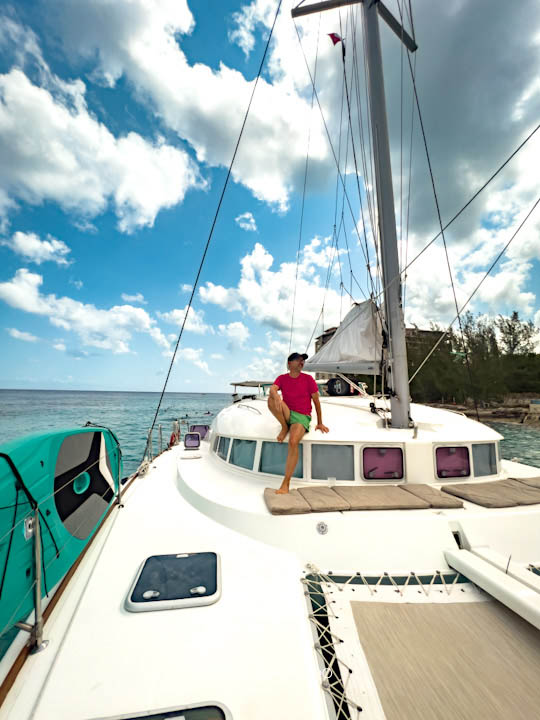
{"type": "Point", "coordinates": [231, 652]}
{"type": "Point", "coordinates": [253, 651]}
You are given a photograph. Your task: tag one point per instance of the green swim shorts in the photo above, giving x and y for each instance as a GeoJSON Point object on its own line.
{"type": "Point", "coordinates": [297, 417]}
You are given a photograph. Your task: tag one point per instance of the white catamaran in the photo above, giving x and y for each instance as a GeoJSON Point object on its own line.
{"type": "Point", "coordinates": [398, 579]}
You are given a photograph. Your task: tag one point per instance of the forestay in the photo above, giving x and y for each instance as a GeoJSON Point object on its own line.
{"type": "Point", "coordinates": [356, 346]}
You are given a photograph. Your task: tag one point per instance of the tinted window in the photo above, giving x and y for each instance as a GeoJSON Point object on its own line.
{"type": "Point", "coordinates": [453, 462]}
{"type": "Point", "coordinates": [382, 463]}
{"type": "Point", "coordinates": [484, 459]}
{"type": "Point", "coordinates": [332, 461]}
{"type": "Point", "coordinates": [273, 456]}
{"type": "Point", "coordinates": [243, 453]}
{"type": "Point", "coordinates": [223, 447]}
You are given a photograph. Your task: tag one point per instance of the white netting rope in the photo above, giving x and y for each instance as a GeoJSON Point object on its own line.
{"type": "Point", "coordinates": [337, 674]}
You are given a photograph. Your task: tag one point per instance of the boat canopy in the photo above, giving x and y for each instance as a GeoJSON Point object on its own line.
{"type": "Point", "coordinates": [356, 346]}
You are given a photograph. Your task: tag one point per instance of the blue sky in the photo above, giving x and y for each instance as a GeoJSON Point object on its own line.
{"type": "Point", "coordinates": [117, 123]}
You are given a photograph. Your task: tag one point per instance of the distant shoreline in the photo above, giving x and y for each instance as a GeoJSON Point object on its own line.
{"type": "Point", "coordinates": [127, 392]}
{"type": "Point", "coordinates": [516, 414]}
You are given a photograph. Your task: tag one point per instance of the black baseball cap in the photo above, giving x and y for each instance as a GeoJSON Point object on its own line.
{"type": "Point", "coordinates": [297, 356]}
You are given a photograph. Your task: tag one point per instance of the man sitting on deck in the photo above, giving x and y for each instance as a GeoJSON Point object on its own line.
{"type": "Point", "coordinates": [294, 410]}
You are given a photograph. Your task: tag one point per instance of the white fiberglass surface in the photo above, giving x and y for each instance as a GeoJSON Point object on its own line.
{"type": "Point", "coordinates": [120, 662]}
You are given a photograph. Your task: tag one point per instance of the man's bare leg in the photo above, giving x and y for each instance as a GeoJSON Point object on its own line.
{"type": "Point", "coordinates": [282, 413]}
{"type": "Point", "coordinates": [297, 433]}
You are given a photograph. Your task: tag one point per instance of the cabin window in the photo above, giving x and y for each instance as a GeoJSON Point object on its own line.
{"type": "Point", "coordinates": [215, 443]}
{"type": "Point", "coordinates": [273, 456]}
{"type": "Point", "coordinates": [453, 462]}
{"type": "Point", "coordinates": [382, 463]}
{"type": "Point", "coordinates": [243, 453]}
{"type": "Point", "coordinates": [484, 459]}
{"type": "Point", "coordinates": [223, 447]}
{"type": "Point", "coordinates": [332, 461]}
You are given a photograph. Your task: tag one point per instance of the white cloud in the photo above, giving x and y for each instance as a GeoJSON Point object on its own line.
{"type": "Point", "coordinates": [195, 320]}
{"type": "Point", "coordinates": [105, 329]}
{"type": "Point", "coordinates": [20, 335]}
{"type": "Point", "coordinates": [137, 298]}
{"type": "Point", "coordinates": [186, 287]}
{"type": "Point", "coordinates": [218, 295]}
{"type": "Point", "coordinates": [76, 283]}
{"type": "Point", "coordinates": [246, 221]}
{"type": "Point", "coordinates": [29, 246]}
{"type": "Point", "coordinates": [216, 356]}
{"type": "Point", "coordinates": [204, 106]}
{"type": "Point", "coordinates": [59, 346]}
{"type": "Point", "coordinates": [236, 332]}
{"type": "Point", "coordinates": [194, 355]}
{"type": "Point", "coordinates": [265, 295]}
{"type": "Point", "coordinates": [264, 368]}
{"type": "Point", "coordinates": [55, 150]}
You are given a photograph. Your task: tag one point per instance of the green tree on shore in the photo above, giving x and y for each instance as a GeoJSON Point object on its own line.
{"type": "Point", "coordinates": [484, 361]}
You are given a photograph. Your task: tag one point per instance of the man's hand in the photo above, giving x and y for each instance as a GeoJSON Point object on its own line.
{"type": "Point", "coordinates": [321, 427]}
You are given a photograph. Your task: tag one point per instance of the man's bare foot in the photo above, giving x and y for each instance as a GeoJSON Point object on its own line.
{"type": "Point", "coordinates": [282, 435]}
{"type": "Point", "coordinates": [282, 491]}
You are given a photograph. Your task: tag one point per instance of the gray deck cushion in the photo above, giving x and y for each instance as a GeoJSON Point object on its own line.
{"type": "Point", "coordinates": [431, 495]}
{"type": "Point", "coordinates": [290, 504]}
{"type": "Point", "coordinates": [323, 499]}
{"type": "Point", "coordinates": [531, 481]}
{"type": "Point", "coordinates": [380, 497]}
{"type": "Point", "coordinates": [498, 493]}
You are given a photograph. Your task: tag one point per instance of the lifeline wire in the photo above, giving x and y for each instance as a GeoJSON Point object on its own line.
{"type": "Point", "coordinates": [304, 189]}
{"type": "Point", "coordinates": [439, 341]}
{"type": "Point", "coordinates": [213, 224]}
{"type": "Point", "coordinates": [476, 194]}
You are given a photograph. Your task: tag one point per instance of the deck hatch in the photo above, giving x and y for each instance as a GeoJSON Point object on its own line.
{"type": "Point", "coordinates": [166, 582]}
{"type": "Point", "coordinates": [215, 711]}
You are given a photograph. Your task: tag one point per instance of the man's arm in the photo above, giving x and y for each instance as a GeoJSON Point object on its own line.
{"type": "Point", "coordinates": [274, 392]}
{"type": "Point", "coordinates": [317, 403]}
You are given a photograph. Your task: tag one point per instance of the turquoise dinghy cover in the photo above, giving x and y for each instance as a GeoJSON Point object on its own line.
{"type": "Point", "coordinates": [73, 476]}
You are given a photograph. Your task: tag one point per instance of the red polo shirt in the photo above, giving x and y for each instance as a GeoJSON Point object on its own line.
{"type": "Point", "coordinates": [297, 391]}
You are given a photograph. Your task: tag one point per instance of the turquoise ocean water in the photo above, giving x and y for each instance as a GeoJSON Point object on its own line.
{"type": "Point", "coordinates": [130, 414]}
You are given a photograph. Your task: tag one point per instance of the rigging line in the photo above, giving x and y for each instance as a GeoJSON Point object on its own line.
{"type": "Point", "coordinates": [505, 248]}
{"type": "Point", "coordinates": [8, 553]}
{"type": "Point", "coordinates": [327, 132]}
{"type": "Point", "coordinates": [375, 223]}
{"type": "Point", "coordinates": [225, 184]}
{"type": "Point", "coordinates": [409, 196]}
{"type": "Point", "coordinates": [361, 131]}
{"type": "Point", "coordinates": [477, 193]}
{"type": "Point", "coordinates": [424, 138]}
{"type": "Point", "coordinates": [304, 189]}
{"type": "Point", "coordinates": [401, 144]}
{"type": "Point", "coordinates": [327, 283]}
{"type": "Point", "coordinates": [70, 539]}
{"type": "Point", "coordinates": [354, 149]}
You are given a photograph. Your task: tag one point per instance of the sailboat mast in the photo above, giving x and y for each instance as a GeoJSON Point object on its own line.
{"type": "Point", "coordinates": [397, 370]}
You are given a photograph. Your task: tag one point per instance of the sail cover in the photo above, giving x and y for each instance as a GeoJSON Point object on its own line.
{"type": "Point", "coordinates": [356, 346]}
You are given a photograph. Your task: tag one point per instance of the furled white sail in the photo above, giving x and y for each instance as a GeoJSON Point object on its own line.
{"type": "Point", "coordinates": [356, 346]}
